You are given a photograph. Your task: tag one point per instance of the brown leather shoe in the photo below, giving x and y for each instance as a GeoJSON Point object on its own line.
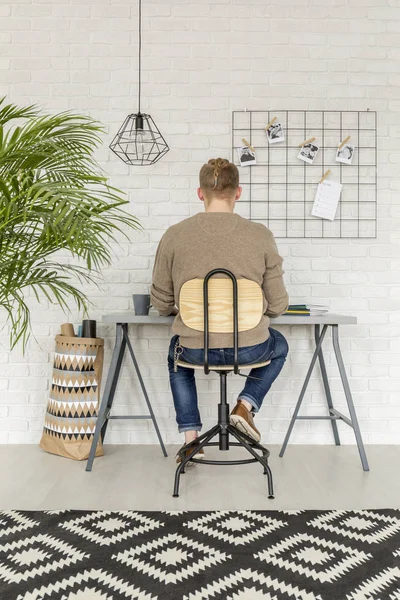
{"type": "Point", "coordinates": [242, 419]}
{"type": "Point", "coordinates": [199, 455]}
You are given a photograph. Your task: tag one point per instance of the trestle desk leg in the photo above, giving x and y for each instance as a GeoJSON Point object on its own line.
{"type": "Point", "coordinates": [108, 395]}
{"type": "Point", "coordinates": [131, 352]}
{"type": "Point", "coordinates": [303, 390]}
{"type": "Point", "coordinates": [327, 389]}
{"type": "Point", "coordinates": [350, 404]}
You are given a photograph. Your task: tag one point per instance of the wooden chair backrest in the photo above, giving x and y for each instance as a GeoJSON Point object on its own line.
{"type": "Point", "coordinates": [220, 304]}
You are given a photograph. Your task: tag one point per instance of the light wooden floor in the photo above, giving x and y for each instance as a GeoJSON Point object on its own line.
{"type": "Point", "coordinates": [140, 478]}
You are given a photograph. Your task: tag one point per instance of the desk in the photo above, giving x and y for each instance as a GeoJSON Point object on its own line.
{"type": "Point", "coordinates": [123, 320]}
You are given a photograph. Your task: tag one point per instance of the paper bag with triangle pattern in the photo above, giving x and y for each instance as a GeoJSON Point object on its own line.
{"type": "Point", "coordinates": [72, 408]}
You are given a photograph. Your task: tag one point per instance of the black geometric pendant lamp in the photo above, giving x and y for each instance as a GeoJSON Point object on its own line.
{"type": "Point", "coordinates": [139, 141]}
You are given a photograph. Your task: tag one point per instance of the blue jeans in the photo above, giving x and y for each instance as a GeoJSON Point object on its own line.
{"type": "Point", "coordinates": [183, 385]}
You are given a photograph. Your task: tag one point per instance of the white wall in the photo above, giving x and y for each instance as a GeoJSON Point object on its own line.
{"type": "Point", "coordinates": [201, 60]}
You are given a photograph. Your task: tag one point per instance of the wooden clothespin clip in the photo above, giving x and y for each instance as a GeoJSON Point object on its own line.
{"type": "Point", "coordinates": [270, 123]}
{"type": "Point", "coordinates": [306, 142]}
{"type": "Point", "coordinates": [344, 142]}
{"type": "Point", "coordinates": [246, 143]}
{"type": "Point", "coordinates": [325, 175]}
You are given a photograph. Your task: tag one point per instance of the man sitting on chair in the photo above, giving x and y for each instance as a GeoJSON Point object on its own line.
{"type": "Point", "coordinates": [220, 238]}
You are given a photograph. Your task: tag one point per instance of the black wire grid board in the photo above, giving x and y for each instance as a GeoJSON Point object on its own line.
{"type": "Point", "coordinates": [211, 555]}
{"type": "Point", "coordinates": [279, 191]}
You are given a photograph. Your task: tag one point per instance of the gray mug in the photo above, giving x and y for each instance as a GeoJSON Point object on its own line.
{"type": "Point", "coordinates": [141, 302]}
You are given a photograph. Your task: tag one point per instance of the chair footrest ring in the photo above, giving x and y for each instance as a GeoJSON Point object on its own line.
{"type": "Point", "coordinates": [265, 452]}
{"type": "Point", "coordinates": [205, 461]}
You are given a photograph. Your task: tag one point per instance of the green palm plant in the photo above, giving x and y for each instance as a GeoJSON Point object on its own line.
{"type": "Point", "coordinates": [53, 196]}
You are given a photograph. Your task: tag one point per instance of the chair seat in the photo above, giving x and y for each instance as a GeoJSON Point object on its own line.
{"type": "Point", "coordinates": [182, 363]}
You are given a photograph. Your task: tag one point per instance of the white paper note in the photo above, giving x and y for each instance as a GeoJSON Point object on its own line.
{"type": "Point", "coordinates": [326, 200]}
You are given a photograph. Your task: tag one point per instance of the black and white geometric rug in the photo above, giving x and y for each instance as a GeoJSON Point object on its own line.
{"type": "Point", "coordinates": [216, 555]}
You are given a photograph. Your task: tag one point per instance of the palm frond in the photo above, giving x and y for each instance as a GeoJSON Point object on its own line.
{"type": "Point", "coordinates": [10, 112]}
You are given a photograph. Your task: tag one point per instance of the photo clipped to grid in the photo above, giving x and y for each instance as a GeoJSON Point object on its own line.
{"type": "Point", "coordinates": [279, 189]}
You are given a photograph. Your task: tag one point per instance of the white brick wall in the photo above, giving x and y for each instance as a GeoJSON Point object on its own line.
{"type": "Point", "coordinates": [202, 59]}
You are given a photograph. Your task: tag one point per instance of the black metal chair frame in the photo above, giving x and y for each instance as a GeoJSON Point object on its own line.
{"type": "Point", "coordinates": [223, 428]}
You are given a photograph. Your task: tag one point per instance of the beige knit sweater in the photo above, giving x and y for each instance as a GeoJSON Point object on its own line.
{"type": "Point", "coordinates": [213, 240]}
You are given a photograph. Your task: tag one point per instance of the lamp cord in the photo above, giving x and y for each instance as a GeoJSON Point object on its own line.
{"type": "Point", "coordinates": [140, 46]}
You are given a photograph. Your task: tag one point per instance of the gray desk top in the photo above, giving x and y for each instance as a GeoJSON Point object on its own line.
{"type": "Point", "coordinates": [154, 319]}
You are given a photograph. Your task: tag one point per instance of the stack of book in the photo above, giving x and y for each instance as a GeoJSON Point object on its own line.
{"type": "Point", "coordinates": [307, 309]}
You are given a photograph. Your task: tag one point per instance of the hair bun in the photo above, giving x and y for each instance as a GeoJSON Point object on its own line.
{"type": "Point", "coordinates": [218, 163]}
